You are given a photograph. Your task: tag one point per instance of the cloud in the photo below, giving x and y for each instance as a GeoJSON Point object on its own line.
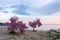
{"type": "Point", "coordinates": [51, 8]}
{"type": "Point", "coordinates": [47, 9]}
{"type": "Point", "coordinates": [37, 3]}
{"type": "Point", "coordinates": [56, 14]}
{"type": "Point", "coordinates": [20, 9]}
{"type": "Point", "coordinates": [30, 7]}
{"type": "Point", "coordinates": [5, 5]}
{"type": "Point", "coordinates": [9, 2]}
{"type": "Point", "coordinates": [5, 17]}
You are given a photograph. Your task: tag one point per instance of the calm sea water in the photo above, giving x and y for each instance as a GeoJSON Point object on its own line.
{"type": "Point", "coordinates": [48, 27]}
{"type": "Point", "coordinates": [43, 27]}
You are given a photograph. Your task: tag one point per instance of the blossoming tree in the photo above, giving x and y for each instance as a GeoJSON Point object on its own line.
{"type": "Point", "coordinates": [14, 24]}
{"type": "Point", "coordinates": [21, 26]}
{"type": "Point", "coordinates": [35, 23]}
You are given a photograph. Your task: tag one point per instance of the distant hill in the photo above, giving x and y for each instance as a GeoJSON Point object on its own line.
{"type": "Point", "coordinates": [1, 24]}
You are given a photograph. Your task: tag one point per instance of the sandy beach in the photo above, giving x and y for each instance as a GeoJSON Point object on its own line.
{"type": "Point", "coordinates": [28, 35]}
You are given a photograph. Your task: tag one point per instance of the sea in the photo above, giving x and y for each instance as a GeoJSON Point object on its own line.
{"type": "Point", "coordinates": [43, 27]}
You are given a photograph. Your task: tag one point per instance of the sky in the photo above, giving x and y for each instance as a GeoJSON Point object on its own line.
{"type": "Point", "coordinates": [47, 10]}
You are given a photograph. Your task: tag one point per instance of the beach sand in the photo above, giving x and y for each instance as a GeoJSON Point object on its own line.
{"type": "Point", "coordinates": [28, 35]}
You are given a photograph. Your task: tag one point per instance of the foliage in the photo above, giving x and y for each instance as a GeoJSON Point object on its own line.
{"type": "Point", "coordinates": [38, 22]}
{"type": "Point", "coordinates": [21, 26]}
{"type": "Point", "coordinates": [14, 24]}
{"type": "Point", "coordinates": [54, 36]}
{"type": "Point", "coordinates": [35, 23]}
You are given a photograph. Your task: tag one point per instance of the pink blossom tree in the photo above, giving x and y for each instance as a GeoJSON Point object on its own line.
{"type": "Point", "coordinates": [38, 22]}
{"type": "Point", "coordinates": [35, 23]}
{"type": "Point", "coordinates": [21, 26]}
{"type": "Point", "coordinates": [12, 25]}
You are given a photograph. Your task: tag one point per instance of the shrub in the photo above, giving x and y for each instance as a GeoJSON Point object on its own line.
{"type": "Point", "coordinates": [14, 24]}
{"type": "Point", "coordinates": [35, 23]}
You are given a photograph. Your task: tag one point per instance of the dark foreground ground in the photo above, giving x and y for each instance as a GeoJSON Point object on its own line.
{"type": "Point", "coordinates": [30, 35]}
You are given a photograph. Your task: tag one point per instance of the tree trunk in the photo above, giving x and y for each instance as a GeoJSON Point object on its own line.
{"type": "Point", "coordinates": [12, 32]}
{"type": "Point", "coordinates": [33, 29]}
{"type": "Point", "coordinates": [22, 31]}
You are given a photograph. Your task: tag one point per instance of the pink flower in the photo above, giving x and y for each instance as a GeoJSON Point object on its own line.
{"type": "Point", "coordinates": [38, 22]}
{"type": "Point", "coordinates": [35, 23]}
{"type": "Point", "coordinates": [21, 26]}
{"type": "Point", "coordinates": [12, 25]}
